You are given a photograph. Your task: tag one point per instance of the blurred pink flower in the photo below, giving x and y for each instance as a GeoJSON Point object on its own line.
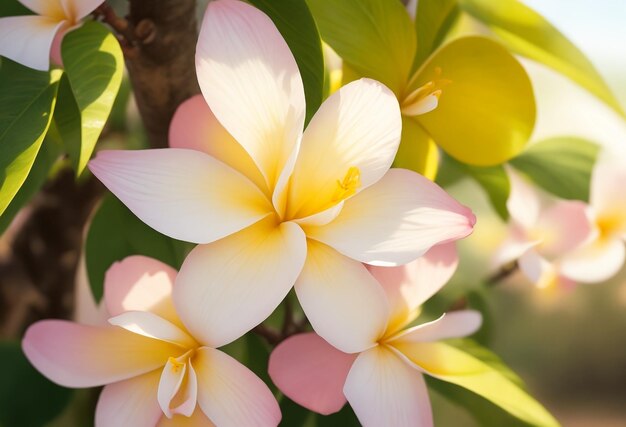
{"type": "Point", "coordinates": [153, 369]}
{"type": "Point", "coordinates": [383, 381]}
{"type": "Point", "coordinates": [603, 256]}
{"type": "Point", "coordinates": [32, 39]}
{"type": "Point", "coordinates": [543, 232]}
{"type": "Point", "coordinates": [270, 204]}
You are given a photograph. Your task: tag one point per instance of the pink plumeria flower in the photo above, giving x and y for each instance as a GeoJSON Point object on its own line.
{"type": "Point", "coordinates": [384, 380]}
{"type": "Point", "coordinates": [31, 40]}
{"type": "Point", "coordinates": [603, 256]}
{"type": "Point", "coordinates": [270, 205]}
{"type": "Point", "coordinates": [154, 370]}
{"type": "Point", "coordinates": [543, 232]}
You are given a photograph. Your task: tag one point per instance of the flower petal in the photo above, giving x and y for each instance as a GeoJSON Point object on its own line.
{"type": "Point", "coordinates": [456, 324]}
{"type": "Point", "coordinates": [311, 372]}
{"type": "Point", "coordinates": [241, 278]}
{"type": "Point", "coordinates": [523, 203]}
{"type": "Point", "coordinates": [343, 302]}
{"type": "Point", "coordinates": [396, 220]}
{"type": "Point", "coordinates": [194, 126]}
{"type": "Point", "coordinates": [28, 39]}
{"type": "Point", "coordinates": [230, 394]}
{"type": "Point", "coordinates": [152, 326]}
{"type": "Point", "coordinates": [359, 126]}
{"type": "Point", "coordinates": [74, 355]}
{"type": "Point", "coordinates": [178, 387]}
{"type": "Point", "coordinates": [384, 391]}
{"type": "Point", "coordinates": [537, 269]}
{"type": "Point", "coordinates": [183, 194]}
{"type": "Point", "coordinates": [409, 286]}
{"type": "Point", "coordinates": [139, 283]}
{"type": "Point", "coordinates": [197, 419]}
{"type": "Point", "coordinates": [563, 226]}
{"type": "Point", "coordinates": [252, 83]}
{"type": "Point", "coordinates": [607, 192]}
{"type": "Point", "coordinates": [596, 262]}
{"type": "Point", "coordinates": [132, 402]}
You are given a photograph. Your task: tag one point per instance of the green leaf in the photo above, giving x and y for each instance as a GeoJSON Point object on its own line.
{"type": "Point", "coordinates": [46, 157]}
{"type": "Point", "coordinates": [561, 166]}
{"type": "Point", "coordinates": [476, 369]}
{"type": "Point", "coordinates": [294, 414]}
{"type": "Point", "coordinates": [94, 65]}
{"type": "Point", "coordinates": [13, 8]}
{"type": "Point", "coordinates": [375, 37]}
{"type": "Point", "coordinates": [27, 100]}
{"type": "Point", "coordinates": [295, 23]}
{"type": "Point", "coordinates": [116, 233]}
{"type": "Point", "coordinates": [527, 33]}
{"type": "Point", "coordinates": [492, 179]}
{"type": "Point", "coordinates": [344, 418]}
{"type": "Point", "coordinates": [433, 20]}
{"type": "Point", "coordinates": [27, 398]}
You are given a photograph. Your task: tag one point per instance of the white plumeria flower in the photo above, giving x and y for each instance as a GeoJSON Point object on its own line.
{"type": "Point", "coordinates": [271, 205]}
{"type": "Point", "coordinates": [154, 371]}
{"type": "Point", "coordinates": [32, 39]}
{"type": "Point", "coordinates": [603, 256]}
{"type": "Point", "coordinates": [384, 382]}
{"type": "Point", "coordinates": [542, 234]}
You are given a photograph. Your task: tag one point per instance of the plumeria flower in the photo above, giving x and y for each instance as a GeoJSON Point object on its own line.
{"type": "Point", "coordinates": [32, 39]}
{"type": "Point", "coordinates": [604, 254]}
{"type": "Point", "coordinates": [155, 372]}
{"type": "Point", "coordinates": [382, 377]}
{"type": "Point", "coordinates": [543, 233]}
{"type": "Point", "coordinates": [271, 205]}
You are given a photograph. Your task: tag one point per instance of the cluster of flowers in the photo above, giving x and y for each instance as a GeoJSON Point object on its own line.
{"type": "Point", "coordinates": [558, 243]}
{"type": "Point", "coordinates": [271, 207]}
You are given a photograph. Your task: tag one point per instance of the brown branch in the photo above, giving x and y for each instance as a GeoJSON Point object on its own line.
{"type": "Point", "coordinates": [502, 274]}
{"type": "Point", "coordinates": [162, 68]}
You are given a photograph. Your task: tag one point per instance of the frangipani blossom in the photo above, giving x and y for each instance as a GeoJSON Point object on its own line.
{"type": "Point", "coordinates": [271, 205]}
{"type": "Point", "coordinates": [542, 234]}
{"type": "Point", "coordinates": [32, 39]}
{"type": "Point", "coordinates": [604, 255]}
{"type": "Point", "coordinates": [384, 382]}
{"type": "Point", "coordinates": [153, 369]}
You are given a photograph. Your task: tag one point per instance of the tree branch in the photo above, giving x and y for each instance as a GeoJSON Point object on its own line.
{"type": "Point", "coordinates": [162, 69]}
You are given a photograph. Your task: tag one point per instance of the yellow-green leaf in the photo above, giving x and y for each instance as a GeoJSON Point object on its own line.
{"type": "Point", "coordinates": [433, 19]}
{"type": "Point", "coordinates": [375, 37]}
{"type": "Point", "coordinates": [562, 166]}
{"type": "Point", "coordinates": [94, 65]}
{"type": "Point", "coordinates": [447, 363]}
{"type": "Point", "coordinates": [527, 33]}
{"type": "Point", "coordinates": [417, 150]}
{"type": "Point", "coordinates": [486, 112]}
{"type": "Point", "coordinates": [27, 100]}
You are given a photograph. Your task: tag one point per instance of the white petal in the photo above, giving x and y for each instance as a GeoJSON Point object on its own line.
{"type": "Point", "coordinates": [344, 303]}
{"type": "Point", "coordinates": [407, 287]}
{"type": "Point", "coordinates": [78, 9]}
{"type": "Point", "coordinates": [359, 126]}
{"type": "Point", "coordinates": [607, 183]}
{"type": "Point", "coordinates": [48, 8]}
{"type": "Point", "coordinates": [596, 262]}
{"type": "Point", "coordinates": [178, 387]}
{"type": "Point", "coordinates": [384, 390]}
{"type": "Point", "coordinates": [523, 203]}
{"type": "Point", "coordinates": [537, 269]}
{"type": "Point", "coordinates": [396, 220]}
{"type": "Point", "coordinates": [184, 194]}
{"type": "Point", "coordinates": [226, 288]}
{"type": "Point", "coordinates": [230, 394]}
{"type": "Point", "coordinates": [251, 82]}
{"type": "Point", "coordinates": [152, 326]}
{"type": "Point", "coordinates": [171, 379]}
{"type": "Point", "coordinates": [28, 39]}
{"type": "Point", "coordinates": [456, 324]}
{"type": "Point", "coordinates": [132, 402]}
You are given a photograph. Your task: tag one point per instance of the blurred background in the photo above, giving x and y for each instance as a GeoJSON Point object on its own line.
{"type": "Point", "coordinates": [569, 346]}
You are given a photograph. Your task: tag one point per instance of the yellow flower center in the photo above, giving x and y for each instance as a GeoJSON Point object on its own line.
{"type": "Point", "coordinates": [348, 185]}
{"type": "Point", "coordinates": [417, 102]}
{"type": "Point", "coordinates": [609, 225]}
{"type": "Point", "coordinates": [176, 365]}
